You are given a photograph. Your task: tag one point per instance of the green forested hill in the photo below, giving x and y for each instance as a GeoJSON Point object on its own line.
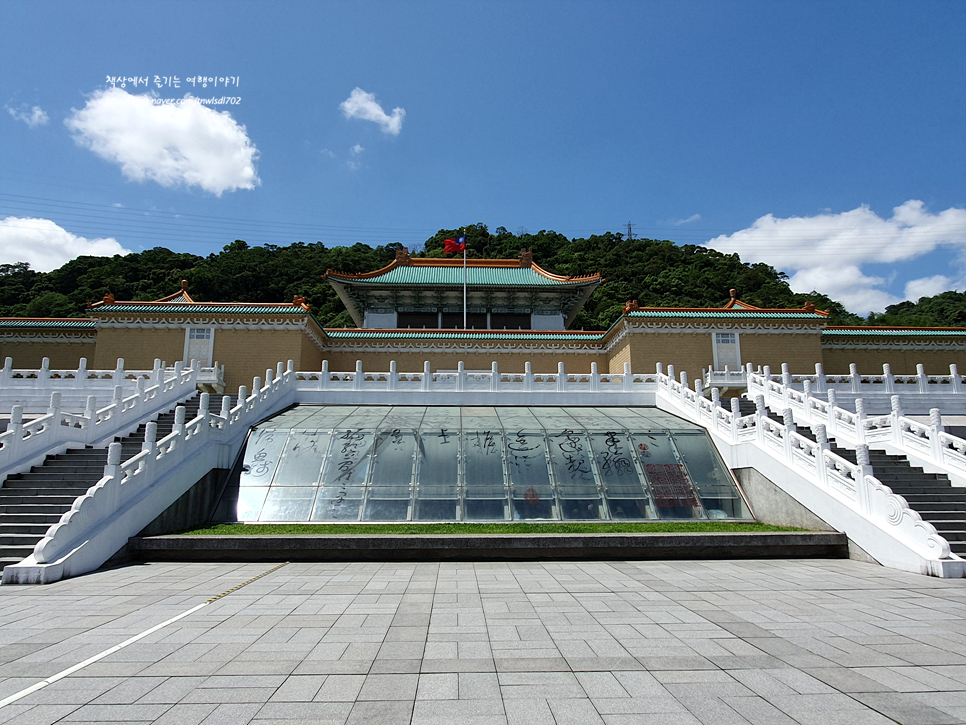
{"type": "Point", "coordinates": [655, 273]}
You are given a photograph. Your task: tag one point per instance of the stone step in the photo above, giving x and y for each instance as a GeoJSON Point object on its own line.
{"type": "Point", "coordinates": [74, 491]}
{"type": "Point", "coordinates": [17, 553]}
{"type": "Point", "coordinates": [20, 540]}
{"type": "Point", "coordinates": [31, 518]}
{"type": "Point", "coordinates": [34, 508]}
{"type": "Point", "coordinates": [36, 529]}
{"type": "Point", "coordinates": [43, 498]}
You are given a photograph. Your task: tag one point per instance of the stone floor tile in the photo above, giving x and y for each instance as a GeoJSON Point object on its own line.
{"type": "Point", "coordinates": [458, 712]}
{"type": "Point", "coordinates": [384, 712]}
{"type": "Point", "coordinates": [528, 712]}
{"type": "Point", "coordinates": [389, 687]}
{"type": "Point", "coordinates": [441, 686]}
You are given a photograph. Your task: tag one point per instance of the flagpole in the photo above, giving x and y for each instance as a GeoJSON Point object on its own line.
{"type": "Point", "coordinates": [463, 233]}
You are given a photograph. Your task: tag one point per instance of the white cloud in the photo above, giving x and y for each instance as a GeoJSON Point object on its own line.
{"type": "Point", "coordinates": [692, 218]}
{"type": "Point", "coordinates": [928, 286]}
{"type": "Point", "coordinates": [826, 252]}
{"type": "Point", "coordinates": [173, 144]}
{"type": "Point", "coordinates": [363, 105]}
{"type": "Point", "coordinates": [357, 149]}
{"type": "Point", "coordinates": [46, 246]}
{"type": "Point", "coordinates": [33, 117]}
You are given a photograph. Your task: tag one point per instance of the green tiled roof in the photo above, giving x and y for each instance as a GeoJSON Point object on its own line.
{"type": "Point", "coordinates": [475, 335]}
{"type": "Point", "coordinates": [479, 276]}
{"type": "Point", "coordinates": [742, 315]}
{"type": "Point", "coordinates": [73, 324]}
{"type": "Point", "coordinates": [883, 331]}
{"type": "Point", "coordinates": [166, 308]}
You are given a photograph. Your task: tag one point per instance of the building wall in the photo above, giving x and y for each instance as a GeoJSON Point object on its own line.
{"type": "Point", "coordinates": [620, 354]}
{"type": "Point", "coordinates": [902, 362]}
{"type": "Point", "coordinates": [64, 355]}
{"type": "Point", "coordinates": [248, 353]}
{"type": "Point", "coordinates": [310, 357]}
{"type": "Point", "coordinates": [685, 350]}
{"type": "Point", "coordinates": [800, 350]}
{"type": "Point", "coordinates": [139, 346]}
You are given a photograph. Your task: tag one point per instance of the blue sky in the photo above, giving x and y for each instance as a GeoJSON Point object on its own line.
{"type": "Point", "coordinates": [825, 138]}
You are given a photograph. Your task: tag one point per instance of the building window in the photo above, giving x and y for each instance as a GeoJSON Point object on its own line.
{"type": "Point", "coordinates": [198, 344]}
{"type": "Point", "coordinates": [726, 351]}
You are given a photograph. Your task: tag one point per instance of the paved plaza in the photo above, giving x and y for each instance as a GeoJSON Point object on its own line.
{"type": "Point", "coordinates": [765, 642]}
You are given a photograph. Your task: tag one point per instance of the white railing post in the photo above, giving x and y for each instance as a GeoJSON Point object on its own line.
{"type": "Point", "coordinates": [118, 375]}
{"type": "Point", "coordinates": [90, 412]}
{"type": "Point", "coordinates": [280, 368]}
{"type": "Point", "coordinates": [54, 407]}
{"type": "Point", "coordinates": [7, 371]}
{"type": "Point", "coordinates": [760, 415]}
{"type": "Point", "coordinates": [426, 376]}
{"type": "Point", "coordinates": [855, 378]}
{"type": "Point", "coordinates": [699, 388]}
{"type": "Point", "coordinates": [113, 471]}
{"type": "Point", "coordinates": [495, 376]}
{"type": "Point", "coordinates": [203, 404]}
{"type": "Point", "coordinates": [269, 376]}
{"type": "Point", "coordinates": [957, 382]}
{"type": "Point", "coordinates": [150, 437]}
{"type": "Point", "coordinates": [226, 407]}
{"type": "Point", "coordinates": [178, 426]}
{"type": "Point", "coordinates": [923, 379]}
{"type": "Point", "coordinates": [888, 378]}
{"type": "Point", "coordinates": [788, 420]}
{"type": "Point", "coordinates": [528, 377]}
{"type": "Point", "coordinates": [81, 369]}
{"type": "Point", "coordinates": [157, 373]}
{"type": "Point", "coordinates": [860, 416]}
{"type": "Point", "coordinates": [670, 374]}
{"type": "Point", "coordinates": [821, 438]}
{"type": "Point", "coordinates": [594, 378]}
{"type": "Point", "coordinates": [935, 428]}
{"type": "Point", "coordinates": [659, 369]}
{"type": "Point", "coordinates": [289, 366]}
{"type": "Point", "coordinates": [242, 396]}
{"type": "Point", "coordinates": [735, 414]}
{"type": "Point", "coordinates": [256, 386]}
{"type": "Point", "coordinates": [896, 414]}
{"type": "Point", "coordinates": [766, 374]}
{"type": "Point", "coordinates": [393, 375]}
{"type": "Point", "coordinates": [461, 376]}
{"type": "Point", "coordinates": [357, 379]}
{"type": "Point", "coordinates": [561, 377]}
{"type": "Point", "coordinates": [325, 375]}
{"type": "Point", "coordinates": [863, 469]}
{"type": "Point", "coordinates": [819, 379]}
{"type": "Point", "coordinates": [628, 378]}
{"type": "Point", "coordinates": [830, 422]}
{"type": "Point", "coordinates": [118, 396]}
{"type": "Point", "coordinates": [43, 375]}
{"type": "Point", "coordinates": [806, 394]}
{"type": "Point", "coordinates": [15, 429]}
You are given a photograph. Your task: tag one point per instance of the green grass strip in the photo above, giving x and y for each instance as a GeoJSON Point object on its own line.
{"type": "Point", "coordinates": [658, 527]}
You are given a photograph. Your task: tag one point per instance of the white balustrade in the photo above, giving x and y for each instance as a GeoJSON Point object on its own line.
{"type": "Point", "coordinates": [134, 397]}
{"type": "Point", "coordinates": [926, 445]}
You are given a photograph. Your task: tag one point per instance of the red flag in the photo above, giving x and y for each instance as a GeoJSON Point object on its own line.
{"type": "Point", "coordinates": [455, 245]}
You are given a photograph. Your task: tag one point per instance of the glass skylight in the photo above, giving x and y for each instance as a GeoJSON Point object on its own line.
{"type": "Point", "coordinates": [437, 463]}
